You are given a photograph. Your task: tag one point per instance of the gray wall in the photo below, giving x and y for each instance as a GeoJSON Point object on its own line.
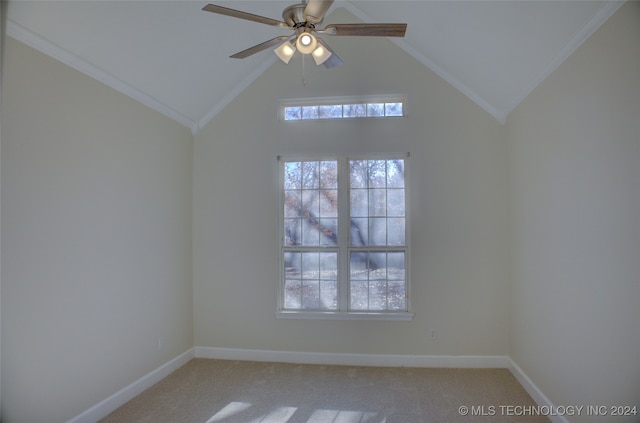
{"type": "Point", "coordinates": [574, 150]}
{"type": "Point", "coordinates": [96, 239]}
{"type": "Point", "coordinates": [2, 38]}
{"type": "Point", "coordinates": [524, 237]}
{"type": "Point", "coordinates": [458, 209]}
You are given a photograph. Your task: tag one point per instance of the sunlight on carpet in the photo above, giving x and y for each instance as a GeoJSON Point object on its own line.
{"type": "Point", "coordinates": [234, 412]}
{"type": "Point", "coordinates": [228, 391]}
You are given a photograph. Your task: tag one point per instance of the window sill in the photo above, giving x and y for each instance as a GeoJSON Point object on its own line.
{"type": "Point", "coordinates": [342, 315]}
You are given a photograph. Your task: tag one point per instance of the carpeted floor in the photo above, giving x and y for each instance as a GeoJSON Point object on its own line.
{"type": "Point", "coordinates": [211, 391]}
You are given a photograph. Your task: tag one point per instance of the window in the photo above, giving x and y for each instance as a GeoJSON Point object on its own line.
{"type": "Point", "coordinates": [343, 108]}
{"type": "Point", "coordinates": [344, 238]}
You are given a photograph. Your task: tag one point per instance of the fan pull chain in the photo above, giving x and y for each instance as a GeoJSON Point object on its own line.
{"type": "Point", "coordinates": [304, 83]}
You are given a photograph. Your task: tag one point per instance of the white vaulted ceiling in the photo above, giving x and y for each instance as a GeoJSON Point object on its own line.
{"type": "Point", "coordinates": [173, 57]}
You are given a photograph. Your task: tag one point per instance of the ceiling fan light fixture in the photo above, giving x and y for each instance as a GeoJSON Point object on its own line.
{"type": "Point", "coordinates": [302, 18]}
{"type": "Point", "coordinates": [320, 55]}
{"type": "Point", "coordinates": [306, 43]}
{"type": "Point", "coordinates": [285, 51]}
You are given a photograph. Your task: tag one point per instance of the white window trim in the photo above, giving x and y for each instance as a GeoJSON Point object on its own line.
{"type": "Point", "coordinates": [343, 265]}
{"type": "Point", "coordinates": [344, 315]}
{"type": "Point", "coordinates": [324, 101]}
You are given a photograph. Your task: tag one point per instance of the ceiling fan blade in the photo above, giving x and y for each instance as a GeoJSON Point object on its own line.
{"type": "Point", "coordinates": [333, 60]}
{"type": "Point", "coordinates": [244, 15]}
{"type": "Point", "coordinates": [315, 10]}
{"type": "Point", "coordinates": [262, 46]}
{"type": "Point", "coordinates": [367, 30]}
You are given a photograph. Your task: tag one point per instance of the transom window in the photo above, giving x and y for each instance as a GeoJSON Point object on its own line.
{"type": "Point", "coordinates": [343, 108]}
{"type": "Point", "coordinates": [343, 237]}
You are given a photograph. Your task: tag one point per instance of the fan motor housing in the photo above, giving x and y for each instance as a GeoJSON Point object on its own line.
{"type": "Point", "coordinates": [294, 16]}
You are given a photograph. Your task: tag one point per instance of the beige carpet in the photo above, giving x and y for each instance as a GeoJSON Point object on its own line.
{"type": "Point", "coordinates": [211, 391]}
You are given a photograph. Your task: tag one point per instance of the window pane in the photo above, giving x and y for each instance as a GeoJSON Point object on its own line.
{"type": "Point", "coordinates": [293, 282]}
{"type": "Point", "coordinates": [395, 173]}
{"type": "Point", "coordinates": [359, 231]}
{"type": "Point", "coordinates": [377, 281]}
{"type": "Point", "coordinates": [377, 231]}
{"type": "Point", "coordinates": [309, 214]}
{"type": "Point", "coordinates": [378, 295]}
{"type": "Point", "coordinates": [310, 234]}
{"type": "Point", "coordinates": [397, 295]}
{"type": "Point", "coordinates": [397, 286]}
{"type": "Point", "coordinates": [396, 231]}
{"type": "Point", "coordinates": [359, 204]}
{"type": "Point", "coordinates": [292, 231]}
{"type": "Point", "coordinates": [396, 265]}
{"type": "Point", "coordinates": [359, 266]}
{"type": "Point", "coordinates": [329, 203]}
{"type": "Point", "coordinates": [359, 281]}
{"type": "Point", "coordinates": [292, 175]}
{"type": "Point", "coordinates": [310, 175]}
{"type": "Point", "coordinates": [292, 113]}
{"type": "Point", "coordinates": [395, 202]}
{"type": "Point", "coordinates": [377, 202]}
{"type": "Point", "coordinates": [329, 281]}
{"type": "Point", "coordinates": [310, 265]}
{"type": "Point", "coordinates": [310, 203]}
{"type": "Point", "coordinates": [378, 265]}
{"type": "Point", "coordinates": [376, 220]}
{"type": "Point", "coordinates": [375, 109]}
{"type": "Point", "coordinates": [328, 232]}
{"type": "Point", "coordinates": [393, 109]}
{"type": "Point", "coordinates": [328, 295]}
{"type": "Point", "coordinates": [347, 108]}
{"type": "Point", "coordinates": [358, 173]}
{"type": "Point", "coordinates": [329, 174]}
{"type": "Point", "coordinates": [314, 208]}
{"type": "Point", "coordinates": [333, 111]}
{"type": "Point", "coordinates": [359, 295]}
{"type": "Point", "coordinates": [311, 280]}
{"type": "Point", "coordinates": [292, 265]}
{"type": "Point", "coordinates": [310, 294]}
{"type": "Point", "coordinates": [354, 110]}
{"type": "Point", "coordinates": [292, 294]}
{"type": "Point", "coordinates": [292, 202]}
{"type": "Point", "coordinates": [309, 112]}
{"type": "Point", "coordinates": [377, 173]}
{"type": "Point", "coordinates": [329, 266]}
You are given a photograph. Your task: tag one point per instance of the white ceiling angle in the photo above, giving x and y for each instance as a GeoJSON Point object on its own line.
{"type": "Point", "coordinates": [163, 53]}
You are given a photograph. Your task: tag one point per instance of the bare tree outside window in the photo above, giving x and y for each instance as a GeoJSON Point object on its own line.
{"type": "Point", "coordinates": [342, 109]}
{"type": "Point", "coordinates": [375, 219]}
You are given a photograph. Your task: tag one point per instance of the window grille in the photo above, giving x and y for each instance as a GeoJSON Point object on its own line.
{"type": "Point", "coordinates": [344, 236]}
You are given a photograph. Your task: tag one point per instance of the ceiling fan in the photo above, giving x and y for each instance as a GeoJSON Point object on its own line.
{"type": "Point", "coordinates": [304, 19]}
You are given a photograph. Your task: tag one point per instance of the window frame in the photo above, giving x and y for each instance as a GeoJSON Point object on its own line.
{"type": "Point", "coordinates": [350, 100]}
{"type": "Point", "coordinates": [344, 248]}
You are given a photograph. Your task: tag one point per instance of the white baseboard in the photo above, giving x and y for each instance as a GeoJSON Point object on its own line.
{"type": "Point", "coordinates": [103, 408]}
{"type": "Point", "coordinates": [535, 392]}
{"type": "Point", "coordinates": [382, 360]}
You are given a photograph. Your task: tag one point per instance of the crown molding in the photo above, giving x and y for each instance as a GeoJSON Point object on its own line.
{"type": "Point", "coordinates": [239, 88]}
{"type": "Point", "coordinates": [592, 26]}
{"type": "Point", "coordinates": [499, 115]}
{"type": "Point", "coordinates": [36, 42]}
{"type": "Point", "coordinates": [33, 40]}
